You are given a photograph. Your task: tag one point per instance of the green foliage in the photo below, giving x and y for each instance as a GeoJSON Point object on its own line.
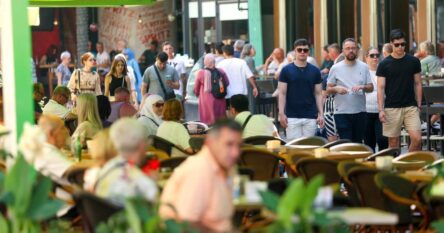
{"type": "Point", "coordinates": [438, 226]}
{"type": "Point", "coordinates": [294, 210]}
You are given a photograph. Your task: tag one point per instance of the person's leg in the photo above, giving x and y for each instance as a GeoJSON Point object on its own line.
{"type": "Point", "coordinates": [343, 125]}
{"type": "Point", "coordinates": [380, 139]}
{"type": "Point", "coordinates": [412, 123]}
{"type": "Point", "coordinates": [309, 127]}
{"type": "Point", "coordinates": [294, 129]}
{"type": "Point", "coordinates": [393, 142]}
{"type": "Point", "coordinates": [392, 126]}
{"type": "Point", "coordinates": [358, 126]}
{"type": "Point", "coordinates": [369, 136]}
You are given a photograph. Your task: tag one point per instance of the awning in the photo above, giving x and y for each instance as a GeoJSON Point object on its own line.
{"type": "Point", "coordinates": [88, 3]}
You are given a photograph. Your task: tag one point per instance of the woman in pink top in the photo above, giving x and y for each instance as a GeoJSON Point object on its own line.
{"type": "Point", "coordinates": [211, 107]}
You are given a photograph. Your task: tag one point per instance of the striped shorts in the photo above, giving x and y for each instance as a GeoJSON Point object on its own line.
{"type": "Point", "coordinates": [329, 112]}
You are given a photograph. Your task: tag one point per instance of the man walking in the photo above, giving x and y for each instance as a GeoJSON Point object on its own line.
{"type": "Point", "coordinates": [399, 80]}
{"type": "Point", "coordinates": [177, 64]}
{"type": "Point", "coordinates": [300, 95]}
{"type": "Point", "coordinates": [349, 80]}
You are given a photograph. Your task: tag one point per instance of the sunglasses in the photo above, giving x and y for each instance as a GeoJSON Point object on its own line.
{"type": "Point", "coordinates": [374, 55]}
{"type": "Point", "coordinates": [93, 59]}
{"type": "Point", "coordinates": [158, 105]}
{"type": "Point", "coordinates": [399, 44]}
{"type": "Point", "coordinates": [300, 50]}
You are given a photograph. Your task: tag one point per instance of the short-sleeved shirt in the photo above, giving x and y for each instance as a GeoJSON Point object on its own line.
{"type": "Point", "coordinates": [174, 132]}
{"type": "Point", "coordinates": [300, 100]}
{"type": "Point", "coordinates": [258, 125]}
{"type": "Point", "coordinates": [66, 74]}
{"type": "Point", "coordinates": [151, 79]}
{"type": "Point", "coordinates": [237, 72]}
{"type": "Point", "coordinates": [180, 68]}
{"type": "Point", "coordinates": [348, 76]}
{"type": "Point", "coordinates": [399, 77]}
{"type": "Point", "coordinates": [101, 59]}
{"type": "Point", "coordinates": [54, 108]}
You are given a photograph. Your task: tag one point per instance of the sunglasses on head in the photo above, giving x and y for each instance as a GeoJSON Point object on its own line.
{"type": "Point", "coordinates": [374, 55]}
{"type": "Point", "coordinates": [399, 44]}
{"type": "Point", "coordinates": [158, 105]}
{"type": "Point", "coordinates": [300, 50]}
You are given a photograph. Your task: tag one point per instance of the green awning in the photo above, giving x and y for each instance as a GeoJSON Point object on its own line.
{"type": "Point", "coordinates": [88, 3]}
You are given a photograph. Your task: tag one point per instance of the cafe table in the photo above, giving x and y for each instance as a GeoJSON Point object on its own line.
{"type": "Point", "coordinates": [364, 216]}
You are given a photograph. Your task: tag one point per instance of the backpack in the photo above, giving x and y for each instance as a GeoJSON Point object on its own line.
{"type": "Point", "coordinates": [218, 86]}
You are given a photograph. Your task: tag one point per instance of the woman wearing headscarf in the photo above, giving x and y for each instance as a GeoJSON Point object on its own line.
{"type": "Point", "coordinates": [211, 107]}
{"type": "Point", "coordinates": [151, 112]}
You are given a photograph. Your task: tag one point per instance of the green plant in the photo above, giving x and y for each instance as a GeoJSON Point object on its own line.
{"type": "Point", "coordinates": [294, 213]}
{"type": "Point", "coordinates": [25, 193]}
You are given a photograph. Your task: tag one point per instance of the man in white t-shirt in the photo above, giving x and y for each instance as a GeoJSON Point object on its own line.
{"type": "Point", "coordinates": [237, 72]}
{"type": "Point", "coordinates": [178, 64]}
{"type": "Point", "coordinates": [103, 60]}
{"type": "Point", "coordinates": [56, 105]}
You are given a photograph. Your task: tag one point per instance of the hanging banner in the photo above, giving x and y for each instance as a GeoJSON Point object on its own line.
{"type": "Point", "coordinates": [136, 25]}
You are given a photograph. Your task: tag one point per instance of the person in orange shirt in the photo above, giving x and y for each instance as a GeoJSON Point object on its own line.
{"type": "Point", "coordinates": [200, 191]}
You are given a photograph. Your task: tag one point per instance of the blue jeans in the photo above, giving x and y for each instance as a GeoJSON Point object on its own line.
{"type": "Point", "coordinates": [351, 126]}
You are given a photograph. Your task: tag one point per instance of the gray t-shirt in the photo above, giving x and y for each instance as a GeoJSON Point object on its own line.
{"type": "Point", "coordinates": [349, 76]}
{"type": "Point", "coordinates": [150, 78]}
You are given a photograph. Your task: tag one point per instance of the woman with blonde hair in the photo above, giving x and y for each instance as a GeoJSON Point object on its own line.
{"type": "Point", "coordinates": [89, 122]}
{"type": "Point", "coordinates": [117, 77]}
{"type": "Point", "coordinates": [85, 80]}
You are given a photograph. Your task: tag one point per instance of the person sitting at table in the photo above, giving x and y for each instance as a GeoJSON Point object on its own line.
{"type": "Point", "coordinates": [122, 106]}
{"type": "Point", "coordinates": [102, 150]}
{"type": "Point", "coordinates": [56, 105]}
{"type": "Point", "coordinates": [62, 72]}
{"type": "Point", "coordinates": [275, 62]}
{"type": "Point", "coordinates": [89, 122]}
{"type": "Point", "coordinates": [89, 80]}
{"type": "Point", "coordinates": [104, 110]}
{"type": "Point", "coordinates": [120, 178]}
{"type": "Point", "coordinates": [151, 113]}
{"type": "Point", "coordinates": [38, 94]}
{"type": "Point", "coordinates": [171, 129]}
{"type": "Point", "coordinates": [198, 191]}
{"type": "Point", "coordinates": [117, 77]}
{"type": "Point", "coordinates": [211, 108]}
{"type": "Point", "coordinates": [252, 124]}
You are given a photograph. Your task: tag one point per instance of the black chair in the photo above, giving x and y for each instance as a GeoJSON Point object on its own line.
{"type": "Point", "coordinates": [386, 152]}
{"type": "Point", "coordinates": [434, 100]}
{"type": "Point", "coordinates": [164, 145]}
{"type": "Point", "coordinates": [94, 210]}
{"type": "Point", "coordinates": [75, 174]}
{"type": "Point", "coordinates": [261, 140]}
{"type": "Point", "coordinates": [196, 143]}
{"type": "Point", "coordinates": [200, 128]}
{"type": "Point", "coordinates": [264, 164]}
{"type": "Point", "coordinates": [314, 140]}
{"type": "Point", "coordinates": [308, 168]}
{"type": "Point", "coordinates": [437, 207]}
{"type": "Point", "coordinates": [344, 167]}
{"type": "Point", "coordinates": [337, 142]}
{"type": "Point", "coordinates": [172, 163]}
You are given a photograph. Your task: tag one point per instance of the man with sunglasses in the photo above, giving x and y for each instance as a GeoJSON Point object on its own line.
{"type": "Point", "coordinates": [349, 80]}
{"type": "Point", "coordinates": [399, 80]}
{"type": "Point", "coordinates": [300, 95]}
{"type": "Point", "coordinates": [57, 104]}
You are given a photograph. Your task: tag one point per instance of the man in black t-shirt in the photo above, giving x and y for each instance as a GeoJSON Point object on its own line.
{"type": "Point", "coordinates": [399, 79]}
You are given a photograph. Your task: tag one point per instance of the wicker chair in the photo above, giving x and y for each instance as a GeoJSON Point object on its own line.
{"type": "Point", "coordinates": [75, 174]}
{"type": "Point", "coordinates": [314, 140]}
{"type": "Point", "coordinates": [308, 168]}
{"type": "Point", "coordinates": [351, 147]}
{"type": "Point", "coordinates": [334, 143]}
{"type": "Point", "coordinates": [293, 158]}
{"type": "Point", "coordinates": [395, 152]}
{"type": "Point", "coordinates": [347, 189]}
{"type": "Point", "coordinates": [261, 140]}
{"type": "Point", "coordinates": [426, 156]}
{"type": "Point", "coordinates": [164, 145]}
{"type": "Point", "coordinates": [172, 163]}
{"type": "Point", "coordinates": [196, 143]}
{"type": "Point", "coordinates": [264, 164]}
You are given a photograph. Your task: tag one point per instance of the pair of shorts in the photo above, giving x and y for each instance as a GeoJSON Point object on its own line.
{"type": "Point", "coordinates": [396, 117]}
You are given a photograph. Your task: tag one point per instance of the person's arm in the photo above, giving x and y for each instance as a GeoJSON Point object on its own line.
{"type": "Point", "coordinates": [282, 87]}
{"type": "Point", "coordinates": [267, 63]}
{"type": "Point", "coordinates": [144, 88]}
{"type": "Point", "coordinates": [175, 83]}
{"type": "Point", "coordinates": [59, 78]}
{"type": "Point", "coordinates": [43, 60]}
{"type": "Point", "coordinates": [380, 95]}
{"type": "Point", "coordinates": [334, 89]}
{"type": "Point", "coordinates": [145, 83]}
{"type": "Point", "coordinates": [252, 81]}
{"type": "Point", "coordinates": [128, 86]}
{"type": "Point", "coordinates": [366, 88]}
{"type": "Point", "coordinates": [107, 81]}
{"type": "Point", "coordinates": [418, 89]}
{"type": "Point", "coordinates": [319, 104]}
{"type": "Point", "coordinates": [197, 83]}
{"type": "Point", "coordinates": [98, 88]}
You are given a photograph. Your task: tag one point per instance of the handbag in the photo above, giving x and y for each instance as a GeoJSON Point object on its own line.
{"type": "Point", "coordinates": [167, 95]}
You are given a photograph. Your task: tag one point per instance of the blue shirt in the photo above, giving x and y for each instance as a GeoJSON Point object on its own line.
{"type": "Point", "coordinates": [300, 99]}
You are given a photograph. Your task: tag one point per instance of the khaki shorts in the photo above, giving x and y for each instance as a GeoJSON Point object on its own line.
{"type": "Point", "coordinates": [396, 117]}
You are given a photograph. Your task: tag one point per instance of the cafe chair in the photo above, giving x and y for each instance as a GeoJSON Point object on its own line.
{"type": "Point", "coordinates": [75, 174]}
{"type": "Point", "coordinates": [334, 143]}
{"type": "Point", "coordinates": [350, 146]}
{"type": "Point", "coordinates": [261, 140]}
{"type": "Point", "coordinates": [264, 163]}
{"type": "Point", "coordinates": [435, 164]}
{"type": "Point", "coordinates": [395, 152]}
{"type": "Point", "coordinates": [196, 143]}
{"type": "Point", "coordinates": [437, 207]}
{"type": "Point", "coordinates": [245, 171]}
{"type": "Point", "coordinates": [426, 156]}
{"type": "Point", "coordinates": [346, 187]}
{"type": "Point", "coordinates": [312, 141]}
{"type": "Point", "coordinates": [164, 145]}
{"type": "Point", "coordinates": [293, 158]}
{"type": "Point", "coordinates": [402, 192]}
{"type": "Point", "coordinates": [196, 127]}
{"type": "Point", "coordinates": [308, 168]}
{"type": "Point", "coordinates": [94, 210]}
{"type": "Point", "coordinates": [172, 163]}
{"type": "Point", "coordinates": [434, 100]}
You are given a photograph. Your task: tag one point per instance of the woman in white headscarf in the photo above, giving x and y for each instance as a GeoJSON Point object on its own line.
{"type": "Point", "coordinates": [212, 104]}
{"type": "Point", "coordinates": [151, 112]}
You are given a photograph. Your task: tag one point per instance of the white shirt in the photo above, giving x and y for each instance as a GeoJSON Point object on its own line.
{"type": "Point", "coordinates": [371, 99]}
{"type": "Point", "coordinates": [132, 78]}
{"type": "Point", "coordinates": [237, 72]}
{"type": "Point", "coordinates": [180, 68]}
{"type": "Point", "coordinates": [54, 108]}
{"type": "Point", "coordinates": [312, 61]}
{"type": "Point", "coordinates": [258, 125]}
{"type": "Point", "coordinates": [102, 58]}
{"type": "Point", "coordinates": [175, 133]}
{"type": "Point", "coordinates": [50, 161]}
